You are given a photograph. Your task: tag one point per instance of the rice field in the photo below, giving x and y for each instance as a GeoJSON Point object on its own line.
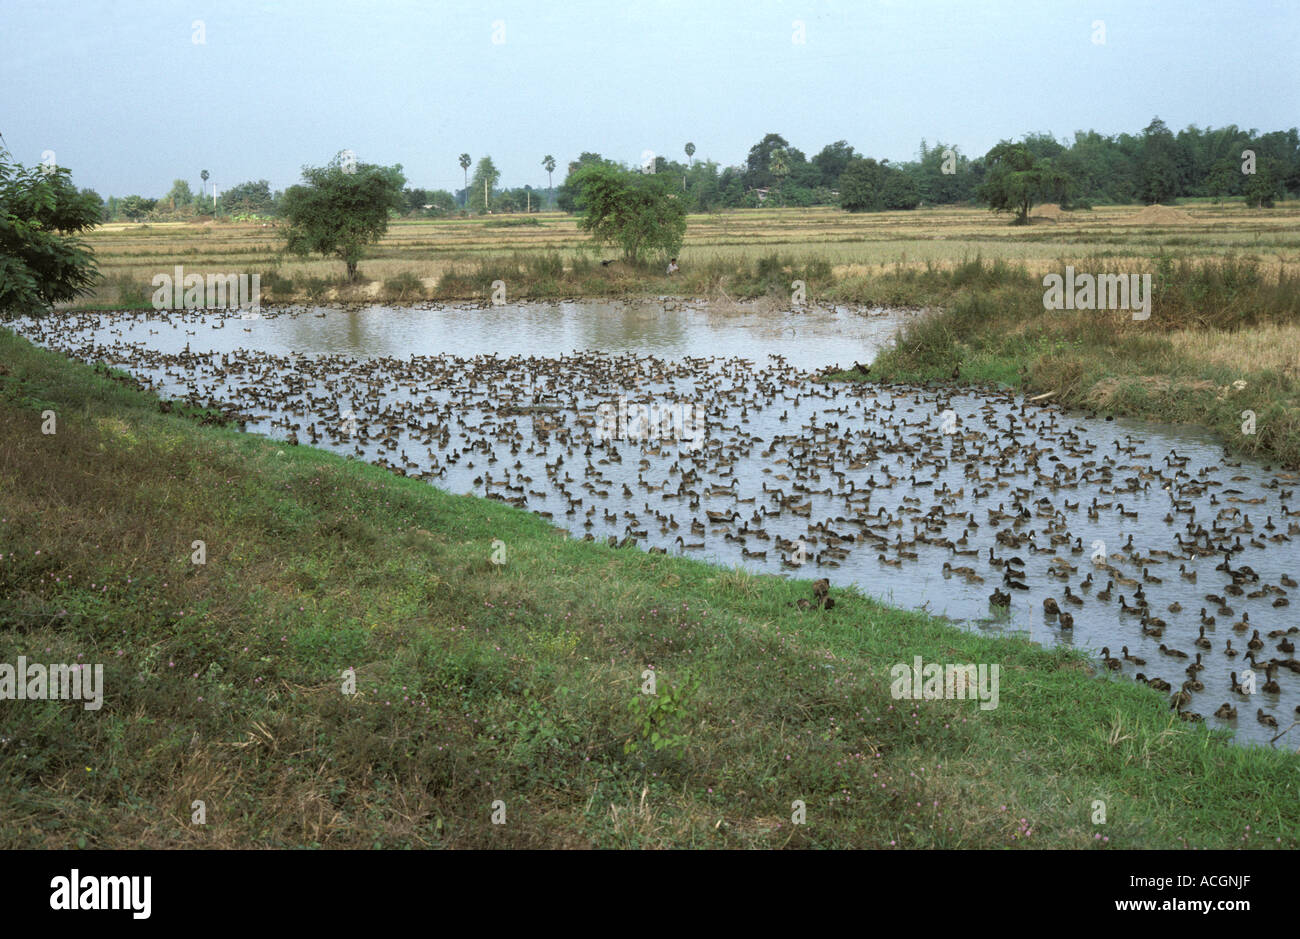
{"type": "Point", "coordinates": [855, 245]}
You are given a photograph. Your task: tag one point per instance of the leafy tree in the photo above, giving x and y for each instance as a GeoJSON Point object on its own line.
{"type": "Point", "coordinates": [1015, 180]}
{"type": "Point", "coordinates": [443, 202]}
{"type": "Point", "coordinates": [633, 210]}
{"type": "Point", "coordinates": [832, 161]}
{"type": "Point", "coordinates": [797, 196]}
{"type": "Point", "coordinates": [1057, 185]}
{"type": "Point", "coordinates": [1159, 166]}
{"type": "Point", "coordinates": [936, 186]}
{"type": "Point", "coordinates": [868, 186]}
{"type": "Point", "coordinates": [137, 207]}
{"type": "Point", "coordinates": [570, 196]}
{"type": "Point", "coordinates": [732, 184]}
{"type": "Point", "coordinates": [1042, 146]}
{"type": "Point", "coordinates": [758, 165]}
{"type": "Point", "coordinates": [42, 262]}
{"type": "Point", "coordinates": [414, 200]}
{"type": "Point", "coordinates": [486, 176]}
{"type": "Point", "coordinates": [508, 201]}
{"type": "Point", "coordinates": [899, 190]}
{"type": "Point", "coordinates": [1263, 186]}
{"type": "Point", "coordinates": [1103, 168]}
{"type": "Point", "coordinates": [338, 213]}
{"type": "Point", "coordinates": [94, 198]}
{"type": "Point", "coordinates": [705, 193]}
{"type": "Point", "coordinates": [249, 197]}
{"type": "Point", "coordinates": [1222, 180]}
{"type": "Point", "coordinates": [803, 174]}
{"type": "Point", "coordinates": [180, 195]}
{"type": "Point", "coordinates": [862, 186]}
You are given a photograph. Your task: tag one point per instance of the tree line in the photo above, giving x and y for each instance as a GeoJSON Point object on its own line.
{"type": "Point", "coordinates": [340, 208]}
{"type": "Point", "coordinates": [1154, 165]}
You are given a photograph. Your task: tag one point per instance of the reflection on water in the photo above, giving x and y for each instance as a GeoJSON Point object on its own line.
{"type": "Point", "coordinates": [874, 488]}
{"type": "Point", "coordinates": [809, 340]}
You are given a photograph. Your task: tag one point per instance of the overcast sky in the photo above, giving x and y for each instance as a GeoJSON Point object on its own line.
{"type": "Point", "coordinates": [125, 96]}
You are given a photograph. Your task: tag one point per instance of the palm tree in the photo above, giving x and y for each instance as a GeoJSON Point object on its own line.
{"type": "Point", "coordinates": [465, 161]}
{"type": "Point", "coordinates": [690, 152]}
{"type": "Point", "coordinates": [204, 176]}
{"type": "Point", "coordinates": [548, 164]}
{"type": "Point", "coordinates": [780, 166]}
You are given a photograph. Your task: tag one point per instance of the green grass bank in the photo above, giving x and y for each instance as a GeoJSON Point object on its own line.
{"type": "Point", "coordinates": [521, 682]}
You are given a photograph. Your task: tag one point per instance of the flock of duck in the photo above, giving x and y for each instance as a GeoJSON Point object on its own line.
{"type": "Point", "coordinates": [925, 495]}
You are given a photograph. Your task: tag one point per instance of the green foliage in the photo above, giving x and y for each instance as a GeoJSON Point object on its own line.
{"type": "Point", "coordinates": [943, 175]}
{"type": "Point", "coordinates": [633, 210]}
{"type": "Point", "coordinates": [339, 212]}
{"type": "Point", "coordinates": [441, 202]}
{"type": "Point", "coordinates": [759, 173]}
{"type": "Point", "coordinates": [868, 186]}
{"type": "Point", "coordinates": [485, 178]}
{"type": "Point", "coordinates": [1160, 180]}
{"type": "Point", "coordinates": [1263, 186]}
{"type": "Point", "coordinates": [832, 161]}
{"type": "Point", "coordinates": [1016, 179]}
{"type": "Point", "coordinates": [180, 195]}
{"type": "Point", "coordinates": [403, 285]}
{"type": "Point", "coordinates": [137, 207]}
{"type": "Point", "coordinates": [42, 262]}
{"type": "Point", "coordinates": [254, 198]}
{"type": "Point", "coordinates": [570, 195]}
{"type": "Point", "coordinates": [526, 222]}
{"type": "Point", "coordinates": [662, 721]}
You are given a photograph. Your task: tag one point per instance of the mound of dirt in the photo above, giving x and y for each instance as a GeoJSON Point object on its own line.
{"type": "Point", "coordinates": [1159, 215]}
{"type": "Point", "coordinates": [1049, 210]}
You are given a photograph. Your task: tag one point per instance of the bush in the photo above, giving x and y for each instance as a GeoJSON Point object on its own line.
{"type": "Point", "coordinates": [543, 266]}
{"type": "Point", "coordinates": [130, 292]}
{"type": "Point", "coordinates": [315, 288]}
{"type": "Point", "coordinates": [403, 285]}
{"type": "Point", "coordinates": [273, 282]}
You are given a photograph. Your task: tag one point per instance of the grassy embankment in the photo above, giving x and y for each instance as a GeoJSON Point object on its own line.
{"type": "Point", "coordinates": [519, 683]}
{"type": "Point", "coordinates": [1223, 338]}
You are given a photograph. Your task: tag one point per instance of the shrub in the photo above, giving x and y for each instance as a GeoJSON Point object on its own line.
{"type": "Point", "coordinates": [403, 285]}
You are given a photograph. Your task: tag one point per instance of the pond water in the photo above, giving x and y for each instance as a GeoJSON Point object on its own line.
{"type": "Point", "coordinates": [873, 487]}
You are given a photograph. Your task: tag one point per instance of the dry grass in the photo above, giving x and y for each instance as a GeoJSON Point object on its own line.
{"type": "Point", "coordinates": [1268, 347]}
{"type": "Point", "coordinates": [856, 245]}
